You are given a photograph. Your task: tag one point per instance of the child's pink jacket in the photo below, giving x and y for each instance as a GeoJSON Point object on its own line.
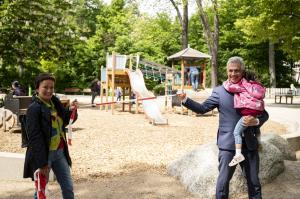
{"type": "Point", "coordinates": [247, 94]}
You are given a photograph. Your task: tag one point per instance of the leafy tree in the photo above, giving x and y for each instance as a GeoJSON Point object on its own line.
{"type": "Point", "coordinates": [85, 16]}
{"type": "Point", "coordinates": [274, 21]}
{"type": "Point", "coordinates": [233, 42]}
{"type": "Point", "coordinates": [114, 24]}
{"type": "Point", "coordinates": [156, 37]}
{"type": "Point", "coordinates": [211, 35]}
{"type": "Point", "coordinates": [183, 19]}
{"type": "Point", "coordinates": [31, 30]}
{"type": "Point", "coordinates": [196, 34]}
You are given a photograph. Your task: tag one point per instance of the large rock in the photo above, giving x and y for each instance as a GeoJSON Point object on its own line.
{"type": "Point", "coordinates": [282, 144]}
{"type": "Point", "coordinates": [198, 170]}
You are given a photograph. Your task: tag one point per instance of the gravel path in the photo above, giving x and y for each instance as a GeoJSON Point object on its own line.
{"type": "Point", "coordinates": [113, 155]}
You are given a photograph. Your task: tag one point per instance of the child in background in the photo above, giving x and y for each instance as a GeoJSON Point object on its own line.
{"type": "Point", "coordinates": [248, 98]}
{"type": "Point", "coordinates": [119, 93]}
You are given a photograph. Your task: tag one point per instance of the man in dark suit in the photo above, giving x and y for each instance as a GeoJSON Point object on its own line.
{"type": "Point", "coordinates": [228, 117]}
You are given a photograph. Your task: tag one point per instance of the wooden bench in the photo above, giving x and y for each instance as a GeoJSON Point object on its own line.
{"type": "Point", "coordinates": [72, 90]}
{"type": "Point", "coordinates": [86, 91]}
{"type": "Point", "coordinates": [287, 95]}
{"type": "Point", "coordinates": [17, 104]}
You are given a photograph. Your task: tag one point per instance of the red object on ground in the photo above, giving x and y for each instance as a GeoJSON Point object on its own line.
{"type": "Point", "coordinates": [72, 117]}
{"type": "Point", "coordinates": [40, 182]}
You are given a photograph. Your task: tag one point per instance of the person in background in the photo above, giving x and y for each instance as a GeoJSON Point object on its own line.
{"type": "Point", "coordinates": [17, 90]}
{"type": "Point", "coordinates": [95, 88]}
{"type": "Point", "coordinates": [132, 97]}
{"type": "Point", "coordinates": [228, 117]}
{"type": "Point", "coordinates": [194, 75]}
{"type": "Point", "coordinates": [293, 89]}
{"type": "Point", "coordinates": [46, 122]}
{"type": "Point", "coordinates": [119, 93]}
{"type": "Point", "coordinates": [187, 76]}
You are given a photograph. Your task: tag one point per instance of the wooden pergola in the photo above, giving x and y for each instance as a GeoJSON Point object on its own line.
{"type": "Point", "coordinates": [187, 56]}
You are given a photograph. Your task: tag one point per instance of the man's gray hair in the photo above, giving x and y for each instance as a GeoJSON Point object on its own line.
{"type": "Point", "coordinates": [237, 60]}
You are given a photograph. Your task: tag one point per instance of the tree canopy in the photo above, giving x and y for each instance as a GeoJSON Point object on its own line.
{"type": "Point", "coordinates": [71, 38]}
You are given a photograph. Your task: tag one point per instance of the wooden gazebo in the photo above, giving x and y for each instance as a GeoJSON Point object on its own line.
{"type": "Point", "coordinates": [188, 57]}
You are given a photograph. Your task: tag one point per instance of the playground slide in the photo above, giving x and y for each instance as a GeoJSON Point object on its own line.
{"type": "Point", "coordinates": [150, 106]}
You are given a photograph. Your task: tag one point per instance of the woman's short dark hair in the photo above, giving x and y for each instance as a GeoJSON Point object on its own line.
{"type": "Point", "coordinates": [42, 77]}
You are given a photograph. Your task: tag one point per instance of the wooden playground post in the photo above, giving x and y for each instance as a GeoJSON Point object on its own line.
{"type": "Point", "coordinates": [166, 90]}
{"type": "Point", "coordinates": [182, 80]}
{"type": "Point", "coordinates": [203, 75]}
{"type": "Point", "coordinates": [107, 82]}
{"type": "Point", "coordinates": [113, 81]}
{"type": "Point", "coordinates": [129, 99]}
{"type": "Point", "coordinates": [130, 62]}
{"type": "Point", "coordinates": [4, 120]}
{"type": "Point", "coordinates": [137, 97]}
{"type": "Point", "coordinates": [182, 74]}
{"type": "Point", "coordinates": [123, 96]}
{"type": "Point", "coordinates": [101, 89]}
{"type": "Point", "coordinates": [173, 81]}
{"type": "Point", "coordinates": [136, 104]}
{"type": "Point", "coordinates": [137, 61]}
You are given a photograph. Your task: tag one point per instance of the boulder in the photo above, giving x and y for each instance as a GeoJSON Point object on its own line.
{"type": "Point", "coordinates": [282, 144]}
{"type": "Point", "coordinates": [198, 169]}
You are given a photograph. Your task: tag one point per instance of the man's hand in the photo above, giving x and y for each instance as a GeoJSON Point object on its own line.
{"type": "Point", "coordinates": [181, 94]}
{"type": "Point", "coordinates": [250, 121]}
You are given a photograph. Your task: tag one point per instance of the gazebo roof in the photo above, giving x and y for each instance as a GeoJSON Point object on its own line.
{"type": "Point", "coordinates": [189, 54]}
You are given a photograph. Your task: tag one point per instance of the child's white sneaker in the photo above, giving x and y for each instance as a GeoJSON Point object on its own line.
{"type": "Point", "coordinates": [236, 159]}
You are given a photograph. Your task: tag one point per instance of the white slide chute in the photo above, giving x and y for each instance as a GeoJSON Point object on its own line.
{"type": "Point", "coordinates": [150, 106]}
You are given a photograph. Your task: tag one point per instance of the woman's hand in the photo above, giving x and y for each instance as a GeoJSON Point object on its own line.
{"type": "Point", "coordinates": [45, 171]}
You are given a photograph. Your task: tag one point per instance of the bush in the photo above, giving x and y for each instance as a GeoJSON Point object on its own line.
{"type": "Point", "coordinates": [159, 89]}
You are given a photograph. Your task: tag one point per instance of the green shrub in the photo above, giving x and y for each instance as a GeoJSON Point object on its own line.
{"type": "Point", "coordinates": [159, 89]}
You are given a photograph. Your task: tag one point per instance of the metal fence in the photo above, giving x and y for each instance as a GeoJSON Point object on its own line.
{"type": "Point", "coordinates": [270, 92]}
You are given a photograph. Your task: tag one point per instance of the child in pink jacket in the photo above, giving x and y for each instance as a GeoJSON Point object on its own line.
{"type": "Point", "coordinates": [248, 98]}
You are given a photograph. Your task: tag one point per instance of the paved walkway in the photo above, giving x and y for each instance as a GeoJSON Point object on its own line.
{"type": "Point", "coordinates": [286, 114]}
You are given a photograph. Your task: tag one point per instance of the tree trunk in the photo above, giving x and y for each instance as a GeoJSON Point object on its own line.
{"type": "Point", "coordinates": [21, 70]}
{"type": "Point", "coordinates": [212, 38]}
{"type": "Point", "coordinates": [185, 25]}
{"type": "Point", "coordinates": [214, 67]}
{"type": "Point", "coordinates": [20, 61]}
{"type": "Point", "coordinates": [184, 21]}
{"type": "Point", "coordinates": [272, 65]}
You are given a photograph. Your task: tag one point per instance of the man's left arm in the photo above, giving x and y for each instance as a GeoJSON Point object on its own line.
{"type": "Point", "coordinates": [263, 118]}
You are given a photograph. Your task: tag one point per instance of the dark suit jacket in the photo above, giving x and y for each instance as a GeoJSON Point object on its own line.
{"type": "Point", "coordinates": [228, 117]}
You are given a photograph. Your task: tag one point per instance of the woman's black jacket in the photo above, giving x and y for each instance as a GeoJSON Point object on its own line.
{"type": "Point", "coordinates": [38, 129]}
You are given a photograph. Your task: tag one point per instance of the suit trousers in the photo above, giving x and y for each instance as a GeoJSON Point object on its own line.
{"type": "Point", "coordinates": [250, 168]}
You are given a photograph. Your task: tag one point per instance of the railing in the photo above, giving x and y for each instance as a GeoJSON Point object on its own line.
{"type": "Point", "coordinates": [271, 92]}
